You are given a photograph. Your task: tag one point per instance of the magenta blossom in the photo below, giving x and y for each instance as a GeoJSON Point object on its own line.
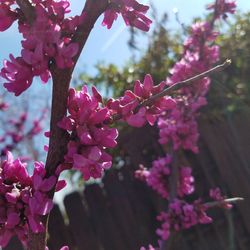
{"type": "Point", "coordinates": [215, 194]}
{"type": "Point", "coordinates": [24, 199]}
{"type": "Point", "coordinates": [90, 136]}
{"type": "Point", "coordinates": [18, 75]}
{"type": "Point", "coordinates": [7, 16]}
{"type": "Point", "coordinates": [223, 7]}
{"type": "Point", "coordinates": [182, 215]}
{"type": "Point", "coordinates": [157, 177]}
{"type": "Point", "coordinates": [47, 40]}
{"type": "Point", "coordinates": [132, 12]}
{"type": "Point", "coordinates": [126, 105]}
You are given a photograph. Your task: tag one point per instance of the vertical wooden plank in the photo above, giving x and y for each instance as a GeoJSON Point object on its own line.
{"type": "Point", "coordinates": [108, 231]}
{"type": "Point", "coordinates": [58, 232]}
{"type": "Point", "coordinates": [141, 200]}
{"type": "Point", "coordinates": [79, 223]}
{"type": "Point", "coordinates": [227, 162]}
{"type": "Point", "coordinates": [121, 208]}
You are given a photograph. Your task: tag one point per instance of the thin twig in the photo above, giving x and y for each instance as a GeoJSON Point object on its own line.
{"type": "Point", "coordinates": [218, 203]}
{"type": "Point", "coordinates": [166, 244]}
{"type": "Point", "coordinates": [185, 83]}
{"type": "Point", "coordinates": [168, 90]}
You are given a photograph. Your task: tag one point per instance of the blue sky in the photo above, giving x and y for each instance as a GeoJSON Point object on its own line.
{"type": "Point", "coordinates": [111, 45]}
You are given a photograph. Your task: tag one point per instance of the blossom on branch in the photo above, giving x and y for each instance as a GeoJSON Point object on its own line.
{"type": "Point", "coordinates": [90, 136]}
{"type": "Point", "coordinates": [158, 177]}
{"type": "Point", "coordinates": [23, 198]}
{"type": "Point", "coordinates": [223, 7]}
{"type": "Point", "coordinates": [132, 12]}
{"type": "Point", "coordinates": [7, 16]}
{"type": "Point", "coordinates": [127, 105]}
{"type": "Point", "coordinates": [182, 215]}
{"type": "Point", "coordinates": [47, 40]}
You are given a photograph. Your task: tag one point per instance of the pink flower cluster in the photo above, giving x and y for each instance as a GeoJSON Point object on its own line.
{"type": "Point", "coordinates": [182, 215]}
{"type": "Point", "coordinates": [179, 127]}
{"type": "Point", "coordinates": [23, 199]}
{"type": "Point", "coordinates": [181, 131]}
{"type": "Point", "coordinates": [222, 7]}
{"type": "Point", "coordinates": [90, 136]}
{"type": "Point", "coordinates": [157, 177]}
{"type": "Point", "coordinates": [125, 106]}
{"type": "Point", "coordinates": [215, 194]}
{"type": "Point", "coordinates": [7, 15]}
{"type": "Point", "coordinates": [46, 40]}
{"type": "Point", "coordinates": [132, 12]}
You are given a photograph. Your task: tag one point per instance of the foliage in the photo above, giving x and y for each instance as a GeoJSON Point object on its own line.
{"type": "Point", "coordinates": [230, 90]}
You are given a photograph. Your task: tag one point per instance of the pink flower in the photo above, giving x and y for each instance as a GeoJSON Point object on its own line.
{"type": "Point", "coordinates": [65, 54]}
{"type": "Point", "coordinates": [215, 193]}
{"type": "Point", "coordinates": [157, 177]}
{"type": "Point", "coordinates": [222, 7]}
{"type": "Point", "coordinates": [7, 16]}
{"type": "Point", "coordinates": [182, 215]}
{"type": "Point", "coordinates": [24, 199]}
{"type": "Point", "coordinates": [18, 75]}
{"type": "Point", "coordinates": [92, 162]}
{"type": "Point", "coordinates": [186, 181]}
{"type": "Point", "coordinates": [126, 105]}
{"type": "Point", "coordinates": [132, 12]}
{"type": "Point", "coordinates": [47, 40]}
{"type": "Point", "coordinates": [150, 247]}
{"type": "Point", "coordinates": [15, 170]}
{"type": "Point", "coordinates": [86, 121]}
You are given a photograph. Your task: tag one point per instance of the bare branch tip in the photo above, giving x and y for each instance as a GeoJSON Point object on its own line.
{"type": "Point", "coordinates": [228, 62]}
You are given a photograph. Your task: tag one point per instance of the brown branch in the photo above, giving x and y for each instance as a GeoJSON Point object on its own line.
{"type": "Point", "coordinates": [168, 90]}
{"type": "Point", "coordinates": [61, 81]}
{"type": "Point", "coordinates": [27, 9]}
{"type": "Point", "coordinates": [150, 101]}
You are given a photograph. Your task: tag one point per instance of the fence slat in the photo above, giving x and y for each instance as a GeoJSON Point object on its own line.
{"type": "Point", "coordinates": [58, 228]}
{"type": "Point", "coordinates": [79, 223]}
{"type": "Point", "coordinates": [108, 231]}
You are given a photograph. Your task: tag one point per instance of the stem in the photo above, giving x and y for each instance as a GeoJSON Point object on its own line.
{"type": "Point", "coordinates": [27, 9]}
{"type": "Point", "coordinates": [176, 86]}
{"type": "Point", "coordinates": [218, 203]}
{"type": "Point", "coordinates": [61, 81]}
{"type": "Point", "coordinates": [150, 101]}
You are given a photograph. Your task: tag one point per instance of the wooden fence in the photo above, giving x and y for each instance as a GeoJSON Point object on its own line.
{"type": "Point", "coordinates": [120, 213]}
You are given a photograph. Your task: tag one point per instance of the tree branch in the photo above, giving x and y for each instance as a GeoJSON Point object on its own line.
{"type": "Point", "coordinates": [219, 203]}
{"type": "Point", "coordinates": [167, 244]}
{"type": "Point", "coordinates": [27, 9]}
{"type": "Point", "coordinates": [61, 81]}
{"type": "Point", "coordinates": [150, 101]}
